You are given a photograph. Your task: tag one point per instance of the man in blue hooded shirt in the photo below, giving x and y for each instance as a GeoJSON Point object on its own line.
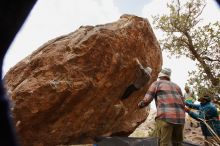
{"type": "Point", "coordinates": [207, 114]}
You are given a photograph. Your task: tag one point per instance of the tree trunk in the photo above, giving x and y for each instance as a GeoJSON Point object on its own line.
{"type": "Point", "coordinates": [206, 68]}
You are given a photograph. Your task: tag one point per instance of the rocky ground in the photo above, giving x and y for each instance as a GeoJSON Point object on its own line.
{"type": "Point", "coordinates": [192, 133]}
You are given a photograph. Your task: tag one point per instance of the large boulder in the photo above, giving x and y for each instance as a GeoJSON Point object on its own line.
{"type": "Point", "coordinates": [68, 90]}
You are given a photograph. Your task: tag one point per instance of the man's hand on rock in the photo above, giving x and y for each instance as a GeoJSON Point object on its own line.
{"type": "Point", "coordinates": [141, 104]}
{"type": "Point", "coordinates": [137, 61]}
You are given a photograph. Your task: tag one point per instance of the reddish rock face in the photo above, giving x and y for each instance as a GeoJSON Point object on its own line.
{"type": "Point", "coordinates": [68, 90]}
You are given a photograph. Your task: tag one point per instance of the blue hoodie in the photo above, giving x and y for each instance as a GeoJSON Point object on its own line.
{"type": "Point", "coordinates": [208, 112]}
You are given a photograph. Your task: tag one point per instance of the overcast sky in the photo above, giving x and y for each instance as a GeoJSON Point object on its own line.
{"type": "Point", "coordinates": [52, 18]}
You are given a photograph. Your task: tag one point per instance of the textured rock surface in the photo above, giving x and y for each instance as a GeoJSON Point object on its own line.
{"type": "Point", "coordinates": [68, 90]}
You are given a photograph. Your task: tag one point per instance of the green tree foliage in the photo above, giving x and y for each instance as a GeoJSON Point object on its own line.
{"type": "Point", "coordinates": [185, 36]}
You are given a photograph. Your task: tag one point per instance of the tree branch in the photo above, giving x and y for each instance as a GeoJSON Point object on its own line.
{"type": "Point", "coordinates": [206, 68]}
{"type": "Point", "coordinates": [196, 16]}
{"type": "Point", "coordinates": [209, 59]}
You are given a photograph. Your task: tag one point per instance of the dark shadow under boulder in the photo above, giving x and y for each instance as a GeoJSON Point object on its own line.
{"type": "Point", "coordinates": [132, 141]}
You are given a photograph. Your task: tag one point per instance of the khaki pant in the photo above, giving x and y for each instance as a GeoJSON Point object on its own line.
{"type": "Point", "coordinates": [169, 133]}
